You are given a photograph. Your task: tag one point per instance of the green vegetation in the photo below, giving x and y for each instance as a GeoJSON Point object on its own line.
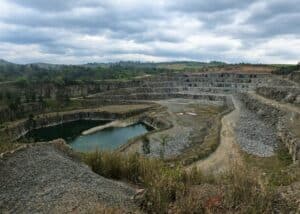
{"type": "Point", "coordinates": [203, 150]}
{"type": "Point", "coordinates": [19, 108]}
{"type": "Point", "coordinates": [286, 69]}
{"type": "Point", "coordinates": [4, 146]}
{"type": "Point", "coordinates": [164, 184]}
{"type": "Point", "coordinates": [170, 188]}
{"type": "Point", "coordinates": [278, 170]}
{"type": "Point", "coordinates": [190, 65]}
{"type": "Point", "coordinates": [65, 74]}
{"type": "Point", "coordinates": [207, 139]}
{"type": "Point", "coordinates": [164, 139]}
{"type": "Point", "coordinates": [146, 145]}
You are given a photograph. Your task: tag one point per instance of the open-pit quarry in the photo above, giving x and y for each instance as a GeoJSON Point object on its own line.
{"type": "Point", "coordinates": [203, 120]}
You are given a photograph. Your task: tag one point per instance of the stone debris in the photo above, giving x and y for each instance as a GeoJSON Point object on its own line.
{"type": "Point", "coordinates": [48, 178]}
{"type": "Point", "coordinates": [254, 136]}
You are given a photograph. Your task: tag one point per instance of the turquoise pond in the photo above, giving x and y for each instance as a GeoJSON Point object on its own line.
{"type": "Point", "coordinates": [106, 139]}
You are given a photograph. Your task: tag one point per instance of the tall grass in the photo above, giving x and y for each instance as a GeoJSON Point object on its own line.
{"type": "Point", "coordinates": [6, 145]}
{"type": "Point", "coordinates": [163, 183]}
{"type": "Point", "coordinates": [170, 188]}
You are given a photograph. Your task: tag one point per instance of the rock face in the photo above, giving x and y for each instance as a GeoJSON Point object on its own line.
{"type": "Point", "coordinates": [19, 129]}
{"type": "Point", "coordinates": [211, 81]}
{"type": "Point", "coordinates": [295, 76]}
{"type": "Point", "coordinates": [49, 178]}
{"type": "Point", "coordinates": [254, 136]}
{"type": "Point", "coordinates": [180, 85]}
{"type": "Point", "coordinates": [281, 94]}
{"type": "Point", "coordinates": [276, 121]}
{"type": "Point", "coordinates": [291, 140]}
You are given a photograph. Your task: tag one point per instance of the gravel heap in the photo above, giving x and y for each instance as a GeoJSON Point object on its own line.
{"type": "Point", "coordinates": [48, 178]}
{"type": "Point", "coordinates": [254, 135]}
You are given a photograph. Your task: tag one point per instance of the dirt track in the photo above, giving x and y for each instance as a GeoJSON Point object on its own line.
{"type": "Point", "coordinates": [228, 151]}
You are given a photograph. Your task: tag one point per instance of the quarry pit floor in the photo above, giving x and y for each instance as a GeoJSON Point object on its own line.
{"type": "Point", "coordinates": [195, 133]}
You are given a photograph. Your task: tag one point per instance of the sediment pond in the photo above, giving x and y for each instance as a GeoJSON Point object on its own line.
{"type": "Point", "coordinates": [106, 139]}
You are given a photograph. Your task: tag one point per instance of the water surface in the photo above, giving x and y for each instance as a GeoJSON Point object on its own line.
{"type": "Point", "coordinates": [107, 139]}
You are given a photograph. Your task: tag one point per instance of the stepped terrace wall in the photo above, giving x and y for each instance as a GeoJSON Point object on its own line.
{"type": "Point", "coordinates": [78, 89]}
{"type": "Point", "coordinates": [279, 120]}
{"type": "Point", "coordinates": [20, 128]}
{"type": "Point", "coordinates": [281, 94]}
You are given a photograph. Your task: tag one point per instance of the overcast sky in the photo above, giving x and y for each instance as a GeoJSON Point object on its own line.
{"type": "Point", "coordinates": [80, 31]}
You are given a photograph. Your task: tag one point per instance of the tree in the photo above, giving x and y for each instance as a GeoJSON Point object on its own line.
{"type": "Point", "coordinates": [30, 122]}
{"type": "Point", "coordinates": [146, 146]}
{"type": "Point", "coordinates": [62, 97]}
{"type": "Point", "coordinates": [163, 143]}
{"type": "Point", "coordinates": [33, 96]}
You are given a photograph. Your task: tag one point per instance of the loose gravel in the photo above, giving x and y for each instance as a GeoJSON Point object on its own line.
{"type": "Point", "coordinates": [254, 135]}
{"type": "Point", "coordinates": [47, 178]}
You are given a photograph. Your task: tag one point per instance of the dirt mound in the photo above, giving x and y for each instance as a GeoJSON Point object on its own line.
{"type": "Point", "coordinates": [48, 177]}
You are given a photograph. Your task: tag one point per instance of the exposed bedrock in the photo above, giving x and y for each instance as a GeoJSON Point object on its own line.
{"type": "Point", "coordinates": [49, 178]}
{"type": "Point", "coordinates": [276, 122]}
{"type": "Point", "coordinates": [290, 135]}
{"type": "Point", "coordinates": [253, 134]}
{"type": "Point", "coordinates": [20, 128]}
{"type": "Point", "coordinates": [295, 76]}
{"type": "Point", "coordinates": [27, 109]}
{"type": "Point", "coordinates": [234, 81]}
{"type": "Point", "coordinates": [258, 124]}
{"type": "Point", "coordinates": [281, 94]}
{"type": "Point", "coordinates": [162, 96]}
{"type": "Point", "coordinates": [154, 87]}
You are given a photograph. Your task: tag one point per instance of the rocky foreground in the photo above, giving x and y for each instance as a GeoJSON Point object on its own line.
{"type": "Point", "coordinates": [48, 177]}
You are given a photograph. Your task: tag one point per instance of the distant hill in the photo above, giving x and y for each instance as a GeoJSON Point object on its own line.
{"type": "Point", "coordinates": [119, 70]}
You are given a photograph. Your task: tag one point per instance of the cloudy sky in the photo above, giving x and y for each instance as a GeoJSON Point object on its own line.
{"type": "Point", "coordinates": [80, 31]}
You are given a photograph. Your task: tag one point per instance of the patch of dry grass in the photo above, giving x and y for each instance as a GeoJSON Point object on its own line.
{"type": "Point", "coordinates": [170, 189]}
{"type": "Point", "coordinates": [207, 139]}
{"type": "Point", "coordinates": [5, 147]}
{"type": "Point", "coordinates": [277, 170]}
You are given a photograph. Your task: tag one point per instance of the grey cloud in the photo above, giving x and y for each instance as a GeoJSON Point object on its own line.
{"type": "Point", "coordinates": [25, 37]}
{"type": "Point", "coordinates": [53, 24]}
{"type": "Point", "coordinates": [277, 17]}
{"type": "Point", "coordinates": [208, 6]}
{"type": "Point", "coordinates": [98, 20]}
{"type": "Point", "coordinates": [56, 5]}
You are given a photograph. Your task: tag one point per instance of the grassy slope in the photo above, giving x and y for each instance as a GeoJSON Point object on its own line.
{"type": "Point", "coordinates": [169, 188]}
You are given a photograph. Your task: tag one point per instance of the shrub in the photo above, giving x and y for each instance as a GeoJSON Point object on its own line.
{"type": "Point", "coordinates": [146, 146]}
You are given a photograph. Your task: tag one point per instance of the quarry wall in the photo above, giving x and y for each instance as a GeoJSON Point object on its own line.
{"type": "Point", "coordinates": [20, 128]}
{"type": "Point", "coordinates": [281, 94]}
{"type": "Point", "coordinates": [278, 119]}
